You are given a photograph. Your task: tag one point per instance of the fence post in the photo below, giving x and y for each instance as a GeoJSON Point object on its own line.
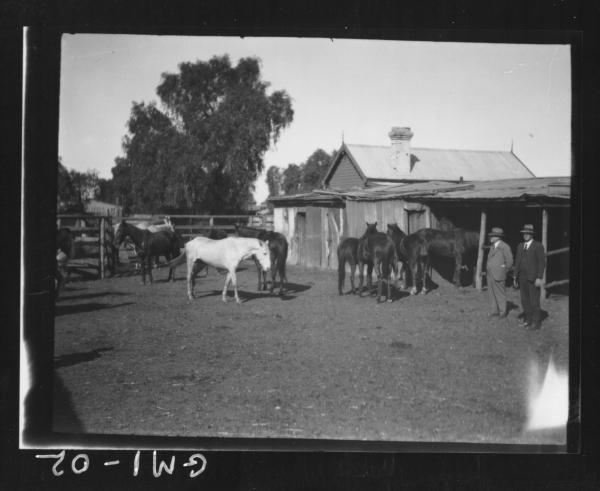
{"type": "Point", "coordinates": [545, 244]}
{"type": "Point", "coordinates": [102, 245]}
{"type": "Point", "coordinates": [482, 228]}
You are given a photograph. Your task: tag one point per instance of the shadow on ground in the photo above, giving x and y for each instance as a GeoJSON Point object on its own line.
{"type": "Point", "coordinates": [86, 307]}
{"type": "Point", "coordinates": [64, 417]}
{"type": "Point", "coordinates": [76, 358]}
{"type": "Point", "coordinates": [87, 296]}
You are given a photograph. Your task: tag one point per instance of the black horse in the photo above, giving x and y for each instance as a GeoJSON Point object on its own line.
{"type": "Point", "coordinates": [347, 253]}
{"type": "Point", "coordinates": [397, 236]}
{"type": "Point", "coordinates": [378, 248]}
{"type": "Point", "coordinates": [217, 234]}
{"type": "Point", "coordinates": [428, 243]}
{"type": "Point", "coordinates": [278, 249]}
{"type": "Point", "coordinates": [150, 245]}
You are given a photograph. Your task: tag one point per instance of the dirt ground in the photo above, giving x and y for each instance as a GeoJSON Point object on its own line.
{"type": "Point", "coordinates": [145, 360]}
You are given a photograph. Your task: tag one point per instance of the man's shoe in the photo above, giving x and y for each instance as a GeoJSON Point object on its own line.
{"type": "Point", "coordinates": [494, 314]}
{"type": "Point", "coordinates": [503, 315]}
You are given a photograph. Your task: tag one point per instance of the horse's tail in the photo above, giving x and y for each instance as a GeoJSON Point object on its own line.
{"type": "Point", "coordinates": [177, 261]}
{"type": "Point", "coordinates": [283, 260]}
{"type": "Point", "coordinates": [341, 268]}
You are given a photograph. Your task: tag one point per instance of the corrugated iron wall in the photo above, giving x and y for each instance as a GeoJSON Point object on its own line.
{"type": "Point", "coordinates": [384, 213]}
{"type": "Point", "coordinates": [314, 232]}
{"type": "Point", "coordinates": [314, 238]}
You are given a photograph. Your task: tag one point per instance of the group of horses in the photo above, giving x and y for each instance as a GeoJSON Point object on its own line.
{"type": "Point", "coordinates": [391, 255]}
{"type": "Point", "coordinates": [150, 241]}
{"type": "Point", "coordinates": [395, 253]}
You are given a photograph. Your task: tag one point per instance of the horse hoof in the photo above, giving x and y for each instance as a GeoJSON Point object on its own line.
{"type": "Point", "coordinates": [389, 300]}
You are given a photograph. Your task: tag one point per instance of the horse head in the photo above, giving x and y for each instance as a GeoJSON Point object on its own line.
{"type": "Point", "coordinates": [263, 255]}
{"type": "Point", "coordinates": [395, 232]}
{"type": "Point", "coordinates": [371, 229]}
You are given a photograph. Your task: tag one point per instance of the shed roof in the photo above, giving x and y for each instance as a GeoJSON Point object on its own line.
{"type": "Point", "coordinates": [549, 188]}
{"type": "Point", "coordinates": [375, 163]}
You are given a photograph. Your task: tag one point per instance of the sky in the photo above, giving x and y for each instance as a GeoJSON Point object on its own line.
{"type": "Point", "coordinates": [452, 95]}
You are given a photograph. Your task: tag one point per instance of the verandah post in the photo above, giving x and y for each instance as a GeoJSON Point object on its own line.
{"type": "Point", "coordinates": [545, 244]}
{"type": "Point", "coordinates": [482, 228]}
{"type": "Point", "coordinates": [102, 245]}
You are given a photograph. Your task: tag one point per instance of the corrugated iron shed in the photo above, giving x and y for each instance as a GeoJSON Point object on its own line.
{"type": "Point", "coordinates": [554, 188]}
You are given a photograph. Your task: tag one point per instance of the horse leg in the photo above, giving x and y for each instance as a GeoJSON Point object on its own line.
{"type": "Point", "coordinates": [361, 276]}
{"type": "Point", "coordinates": [402, 275]}
{"type": "Point", "coordinates": [274, 266]}
{"type": "Point", "coordinates": [389, 280]}
{"type": "Point", "coordinates": [282, 275]}
{"type": "Point", "coordinates": [149, 266]}
{"type": "Point", "coordinates": [191, 272]}
{"type": "Point", "coordinates": [235, 292]}
{"type": "Point", "coordinates": [259, 272]}
{"type": "Point", "coordinates": [352, 272]}
{"type": "Point", "coordinates": [369, 276]}
{"type": "Point", "coordinates": [378, 265]}
{"type": "Point", "coordinates": [457, 269]}
{"type": "Point", "coordinates": [424, 270]}
{"type": "Point", "coordinates": [227, 279]}
{"type": "Point", "coordinates": [414, 270]}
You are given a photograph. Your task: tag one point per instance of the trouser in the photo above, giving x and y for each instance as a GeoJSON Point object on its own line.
{"type": "Point", "coordinates": [530, 300]}
{"type": "Point", "coordinates": [497, 295]}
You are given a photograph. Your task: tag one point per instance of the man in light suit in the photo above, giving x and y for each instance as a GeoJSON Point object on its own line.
{"type": "Point", "coordinates": [529, 272]}
{"type": "Point", "coordinates": [499, 261]}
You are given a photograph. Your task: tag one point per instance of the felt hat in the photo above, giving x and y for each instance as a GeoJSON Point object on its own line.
{"type": "Point", "coordinates": [496, 232]}
{"type": "Point", "coordinates": [528, 229]}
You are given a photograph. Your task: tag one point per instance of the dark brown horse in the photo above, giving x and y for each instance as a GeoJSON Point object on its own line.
{"type": "Point", "coordinates": [150, 245]}
{"type": "Point", "coordinates": [217, 234]}
{"type": "Point", "coordinates": [347, 253]}
{"type": "Point", "coordinates": [278, 250]}
{"type": "Point", "coordinates": [397, 236]}
{"type": "Point", "coordinates": [379, 248]}
{"type": "Point", "coordinates": [428, 243]}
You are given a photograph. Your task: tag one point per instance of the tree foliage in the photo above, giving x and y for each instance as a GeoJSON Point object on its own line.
{"type": "Point", "coordinates": [75, 189]}
{"type": "Point", "coordinates": [204, 148]}
{"type": "Point", "coordinates": [300, 178]}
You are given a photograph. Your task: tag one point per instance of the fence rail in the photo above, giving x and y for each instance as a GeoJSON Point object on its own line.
{"type": "Point", "coordinates": [92, 233]}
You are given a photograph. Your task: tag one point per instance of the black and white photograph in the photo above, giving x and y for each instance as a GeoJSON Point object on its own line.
{"type": "Point", "coordinates": [313, 239]}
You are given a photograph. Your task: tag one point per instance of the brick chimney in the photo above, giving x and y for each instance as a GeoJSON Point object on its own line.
{"type": "Point", "coordinates": [400, 138]}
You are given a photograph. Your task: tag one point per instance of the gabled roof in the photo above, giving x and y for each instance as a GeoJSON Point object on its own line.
{"type": "Point", "coordinates": [374, 163]}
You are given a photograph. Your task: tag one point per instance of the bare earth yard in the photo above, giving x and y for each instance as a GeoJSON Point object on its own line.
{"type": "Point", "coordinates": [134, 359]}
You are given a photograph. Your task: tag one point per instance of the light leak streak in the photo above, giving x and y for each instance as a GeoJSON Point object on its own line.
{"type": "Point", "coordinates": [548, 401]}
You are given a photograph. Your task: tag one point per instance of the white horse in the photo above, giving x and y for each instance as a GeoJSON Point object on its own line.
{"type": "Point", "coordinates": [223, 254]}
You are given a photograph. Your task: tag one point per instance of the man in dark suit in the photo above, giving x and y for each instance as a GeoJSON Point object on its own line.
{"type": "Point", "coordinates": [499, 261]}
{"type": "Point", "coordinates": [529, 272]}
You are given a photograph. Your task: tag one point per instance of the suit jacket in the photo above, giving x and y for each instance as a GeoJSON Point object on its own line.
{"type": "Point", "coordinates": [530, 263]}
{"type": "Point", "coordinates": [499, 261]}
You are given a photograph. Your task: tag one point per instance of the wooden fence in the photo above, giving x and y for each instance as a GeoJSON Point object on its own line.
{"type": "Point", "coordinates": [190, 226]}
{"type": "Point", "coordinates": [92, 233]}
